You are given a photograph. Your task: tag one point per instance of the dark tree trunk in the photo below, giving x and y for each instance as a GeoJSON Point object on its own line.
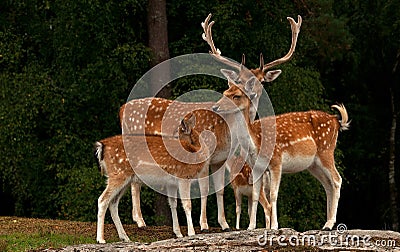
{"type": "Point", "coordinates": [392, 152]}
{"type": "Point", "coordinates": [157, 25]}
{"type": "Point", "coordinates": [392, 174]}
{"type": "Point", "coordinates": [158, 43]}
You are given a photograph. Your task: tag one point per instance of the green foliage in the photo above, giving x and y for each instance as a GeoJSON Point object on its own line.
{"type": "Point", "coordinates": [301, 203]}
{"type": "Point", "coordinates": [60, 93]}
{"type": "Point", "coordinates": [297, 89]}
{"type": "Point", "coordinates": [197, 82]}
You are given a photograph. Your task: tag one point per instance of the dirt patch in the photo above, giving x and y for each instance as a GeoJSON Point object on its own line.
{"type": "Point", "coordinates": [15, 225]}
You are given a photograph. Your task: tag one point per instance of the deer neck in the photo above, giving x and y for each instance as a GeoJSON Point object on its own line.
{"type": "Point", "coordinates": [242, 130]}
{"type": "Point", "coordinates": [253, 108]}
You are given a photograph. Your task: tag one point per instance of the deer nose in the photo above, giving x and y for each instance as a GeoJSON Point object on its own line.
{"type": "Point", "coordinates": [263, 81]}
{"type": "Point", "coordinates": [215, 108]}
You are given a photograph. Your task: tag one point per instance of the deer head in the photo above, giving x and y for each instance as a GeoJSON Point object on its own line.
{"type": "Point", "coordinates": [237, 98]}
{"type": "Point", "coordinates": [241, 73]}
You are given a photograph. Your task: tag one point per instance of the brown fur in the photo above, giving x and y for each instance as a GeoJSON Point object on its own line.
{"type": "Point", "coordinates": [303, 140]}
{"type": "Point", "coordinates": [125, 158]}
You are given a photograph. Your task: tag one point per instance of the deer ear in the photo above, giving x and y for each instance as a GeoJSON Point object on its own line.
{"type": "Point", "coordinates": [191, 121]}
{"type": "Point", "coordinates": [229, 74]}
{"type": "Point", "coordinates": [183, 125]}
{"type": "Point", "coordinates": [249, 87]}
{"type": "Point", "coordinates": [272, 75]}
{"type": "Point", "coordinates": [187, 124]}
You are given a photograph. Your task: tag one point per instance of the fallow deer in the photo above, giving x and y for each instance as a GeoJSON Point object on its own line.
{"type": "Point", "coordinates": [156, 116]}
{"type": "Point", "coordinates": [304, 140]}
{"type": "Point", "coordinates": [126, 161]}
{"type": "Point", "coordinates": [241, 181]}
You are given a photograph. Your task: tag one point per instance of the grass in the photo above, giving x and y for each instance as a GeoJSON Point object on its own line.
{"type": "Point", "coordinates": [29, 234]}
{"type": "Point", "coordinates": [37, 241]}
{"type": "Point", "coordinates": [26, 234]}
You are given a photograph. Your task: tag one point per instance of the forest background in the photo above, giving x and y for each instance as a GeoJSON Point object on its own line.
{"type": "Point", "coordinates": [67, 66]}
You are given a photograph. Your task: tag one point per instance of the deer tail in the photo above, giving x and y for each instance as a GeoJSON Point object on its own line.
{"type": "Point", "coordinates": [344, 117]}
{"type": "Point", "coordinates": [99, 155]}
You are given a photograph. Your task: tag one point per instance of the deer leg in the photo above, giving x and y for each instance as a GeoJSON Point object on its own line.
{"type": "Point", "coordinates": [219, 179]}
{"type": "Point", "coordinates": [325, 171]}
{"type": "Point", "coordinates": [173, 202]}
{"type": "Point", "coordinates": [238, 199]}
{"type": "Point", "coordinates": [275, 174]}
{"type": "Point", "coordinates": [102, 203]}
{"type": "Point", "coordinates": [115, 217]}
{"type": "Point", "coordinates": [136, 210]}
{"type": "Point", "coordinates": [250, 204]}
{"type": "Point", "coordinates": [258, 170]}
{"type": "Point", "coordinates": [184, 191]}
{"type": "Point", "coordinates": [109, 194]}
{"type": "Point", "coordinates": [204, 189]}
{"type": "Point", "coordinates": [267, 185]}
{"type": "Point", "coordinates": [267, 208]}
{"type": "Point", "coordinates": [253, 203]}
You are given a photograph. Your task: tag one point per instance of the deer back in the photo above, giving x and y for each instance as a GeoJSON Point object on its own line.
{"type": "Point", "coordinates": [149, 152]}
{"type": "Point", "coordinates": [156, 116]}
{"type": "Point", "coordinates": [168, 154]}
{"type": "Point", "coordinates": [316, 130]}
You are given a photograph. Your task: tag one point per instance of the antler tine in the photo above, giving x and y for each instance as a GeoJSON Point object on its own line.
{"type": "Point", "coordinates": [295, 33]}
{"type": "Point", "coordinates": [261, 61]}
{"type": "Point", "coordinates": [207, 36]}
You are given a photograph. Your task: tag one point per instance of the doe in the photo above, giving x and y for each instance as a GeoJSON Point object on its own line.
{"type": "Point", "coordinates": [127, 159]}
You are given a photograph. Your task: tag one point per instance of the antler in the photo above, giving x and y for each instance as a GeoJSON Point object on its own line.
{"type": "Point", "coordinates": [207, 36]}
{"type": "Point", "coordinates": [295, 33]}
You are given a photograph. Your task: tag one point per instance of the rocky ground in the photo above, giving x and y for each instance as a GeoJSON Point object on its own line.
{"type": "Point", "coordinates": [262, 240]}
{"type": "Point", "coordinates": [162, 238]}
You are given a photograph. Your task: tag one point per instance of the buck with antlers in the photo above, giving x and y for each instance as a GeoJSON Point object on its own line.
{"type": "Point", "coordinates": [156, 116]}
{"type": "Point", "coordinates": [129, 160]}
{"type": "Point", "coordinates": [303, 140]}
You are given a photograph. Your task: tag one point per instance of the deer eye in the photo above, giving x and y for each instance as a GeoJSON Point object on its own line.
{"type": "Point", "coordinates": [236, 97]}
